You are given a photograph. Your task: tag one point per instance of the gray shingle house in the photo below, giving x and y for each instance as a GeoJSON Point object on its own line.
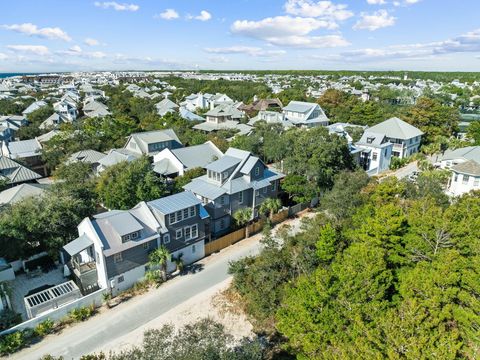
{"type": "Point", "coordinates": [112, 250]}
{"type": "Point", "coordinates": [236, 180]}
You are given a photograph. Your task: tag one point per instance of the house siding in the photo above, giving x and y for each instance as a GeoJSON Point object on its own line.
{"type": "Point", "coordinates": [132, 258]}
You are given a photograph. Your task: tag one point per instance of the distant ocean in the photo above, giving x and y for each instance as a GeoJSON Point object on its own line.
{"type": "Point", "coordinates": [5, 75]}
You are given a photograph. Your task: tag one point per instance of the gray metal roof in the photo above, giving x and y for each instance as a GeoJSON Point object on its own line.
{"type": "Point", "coordinates": [203, 188]}
{"type": "Point", "coordinates": [164, 167]}
{"type": "Point", "coordinates": [78, 245]}
{"type": "Point", "coordinates": [198, 155]}
{"type": "Point", "coordinates": [156, 136]}
{"type": "Point", "coordinates": [24, 148]}
{"type": "Point", "coordinates": [124, 223]}
{"type": "Point", "coordinates": [173, 203]}
{"type": "Point", "coordinates": [370, 138]}
{"type": "Point", "coordinates": [299, 106]}
{"type": "Point", "coordinates": [224, 163]}
{"type": "Point", "coordinates": [14, 172]}
{"type": "Point", "coordinates": [86, 156]}
{"type": "Point", "coordinates": [20, 192]}
{"type": "Point", "coordinates": [252, 160]}
{"type": "Point", "coordinates": [396, 128]}
{"type": "Point", "coordinates": [467, 153]}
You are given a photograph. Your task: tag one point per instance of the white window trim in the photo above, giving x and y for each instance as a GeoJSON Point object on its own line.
{"type": "Point", "coordinates": [178, 231]}
{"type": "Point", "coordinates": [166, 238]}
{"type": "Point", "coordinates": [191, 228]}
{"type": "Point", "coordinates": [240, 197]}
{"type": "Point", "coordinates": [117, 258]}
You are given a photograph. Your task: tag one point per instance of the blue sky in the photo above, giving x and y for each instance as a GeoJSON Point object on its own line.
{"type": "Point", "coordinates": [60, 35]}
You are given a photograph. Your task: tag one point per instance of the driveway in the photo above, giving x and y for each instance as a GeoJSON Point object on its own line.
{"type": "Point", "coordinates": [94, 334]}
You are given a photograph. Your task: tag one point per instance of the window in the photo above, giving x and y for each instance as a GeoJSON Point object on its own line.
{"type": "Point", "coordinates": [456, 178]}
{"type": "Point", "coordinates": [134, 235]}
{"type": "Point", "coordinates": [265, 189]}
{"type": "Point", "coordinates": [178, 233]}
{"type": "Point", "coordinates": [166, 238]}
{"type": "Point", "coordinates": [240, 197]}
{"type": "Point", "coordinates": [191, 232]}
{"type": "Point", "coordinates": [222, 200]}
{"type": "Point", "coordinates": [120, 279]}
{"type": "Point", "coordinates": [225, 174]}
{"type": "Point", "coordinates": [193, 249]}
{"type": "Point", "coordinates": [476, 182]}
{"type": "Point", "coordinates": [370, 140]}
{"type": "Point", "coordinates": [257, 193]}
{"type": "Point", "coordinates": [117, 258]}
{"type": "Point", "coordinates": [185, 213]}
{"type": "Point", "coordinates": [179, 216]}
{"type": "Point", "coordinates": [192, 211]}
{"type": "Point", "coordinates": [146, 245]}
{"type": "Point", "coordinates": [465, 179]}
{"type": "Point", "coordinates": [257, 171]}
{"type": "Point", "coordinates": [374, 157]}
{"type": "Point", "coordinates": [274, 185]}
{"type": "Point", "coordinates": [222, 224]}
{"type": "Point", "coordinates": [172, 218]}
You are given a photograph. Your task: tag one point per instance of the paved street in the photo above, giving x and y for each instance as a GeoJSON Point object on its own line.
{"type": "Point", "coordinates": [109, 325]}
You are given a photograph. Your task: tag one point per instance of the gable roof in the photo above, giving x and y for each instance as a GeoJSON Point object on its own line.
{"type": "Point", "coordinates": [24, 148]}
{"type": "Point", "coordinates": [197, 155]}
{"type": "Point", "coordinates": [467, 153]}
{"type": "Point", "coordinates": [150, 137]}
{"type": "Point", "coordinates": [175, 202]}
{"type": "Point", "coordinates": [224, 163]}
{"type": "Point", "coordinates": [300, 106]}
{"type": "Point", "coordinates": [20, 192]}
{"type": "Point", "coordinates": [396, 128]}
{"type": "Point", "coordinates": [373, 139]}
{"type": "Point", "coordinates": [86, 156]}
{"type": "Point", "coordinates": [14, 172]}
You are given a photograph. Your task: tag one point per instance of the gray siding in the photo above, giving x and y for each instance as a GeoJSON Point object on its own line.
{"type": "Point", "coordinates": [132, 258]}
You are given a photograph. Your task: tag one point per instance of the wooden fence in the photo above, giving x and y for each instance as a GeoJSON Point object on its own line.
{"type": "Point", "coordinates": [224, 241]}
{"type": "Point", "coordinates": [233, 237]}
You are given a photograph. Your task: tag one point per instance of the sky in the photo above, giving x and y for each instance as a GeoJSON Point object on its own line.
{"type": "Point", "coordinates": [85, 35]}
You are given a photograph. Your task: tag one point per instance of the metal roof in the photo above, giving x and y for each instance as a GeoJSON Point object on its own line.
{"type": "Point", "coordinates": [124, 223]}
{"type": "Point", "coordinates": [203, 188]}
{"type": "Point", "coordinates": [20, 192]}
{"type": "Point", "coordinates": [467, 153]}
{"type": "Point", "coordinates": [15, 172]}
{"type": "Point", "coordinates": [78, 245]}
{"type": "Point", "coordinates": [24, 148]}
{"type": "Point", "coordinates": [86, 156]}
{"type": "Point", "coordinates": [173, 203]}
{"type": "Point", "coordinates": [224, 163]}
{"type": "Point", "coordinates": [164, 167]}
{"type": "Point", "coordinates": [299, 106]}
{"type": "Point", "coordinates": [198, 155]}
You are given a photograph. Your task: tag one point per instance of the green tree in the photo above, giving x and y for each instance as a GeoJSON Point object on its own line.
{"type": "Point", "coordinates": [160, 258]}
{"type": "Point", "coordinates": [242, 217]}
{"type": "Point", "coordinates": [270, 207]}
{"type": "Point", "coordinates": [124, 185]}
{"type": "Point", "coordinates": [473, 132]}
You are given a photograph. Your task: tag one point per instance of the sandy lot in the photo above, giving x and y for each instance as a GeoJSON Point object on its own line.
{"type": "Point", "coordinates": [208, 304]}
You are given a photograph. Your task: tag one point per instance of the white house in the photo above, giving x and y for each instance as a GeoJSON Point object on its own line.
{"type": "Point", "coordinates": [465, 178]}
{"type": "Point", "coordinates": [66, 109]}
{"type": "Point", "coordinates": [458, 156]}
{"type": "Point", "coordinates": [305, 114]}
{"type": "Point", "coordinates": [376, 152]}
{"type": "Point", "coordinates": [405, 138]}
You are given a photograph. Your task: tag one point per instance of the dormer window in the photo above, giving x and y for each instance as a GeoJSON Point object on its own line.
{"type": "Point", "coordinates": [131, 236]}
{"type": "Point", "coordinates": [257, 171]}
{"type": "Point", "coordinates": [370, 140]}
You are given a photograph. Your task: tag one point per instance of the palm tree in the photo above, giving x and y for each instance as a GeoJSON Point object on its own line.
{"type": "Point", "coordinates": [242, 217]}
{"type": "Point", "coordinates": [178, 262]}
{"type": "Point", "coordinates": [160, 257]}
{"type": "Point", "coordinates": [270, 206]}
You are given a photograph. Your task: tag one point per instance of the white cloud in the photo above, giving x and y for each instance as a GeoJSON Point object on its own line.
{"type": "Point", "coordinates": [78, 52]}
{"type": "Point", "coordinates": [3, 56]}
{"type": "Point", "coordinates": [204, 16]}
{"type": "Point", "coordinates": [248, 50]}
{"type": "Point", "coordinates": [32, 49]}
{"type": "Point", "coordinates": [465, 43]}
{"type": "Point", "coordinates": [320, 9]}
{"type": "Point", "coordinates": [376, 2]}
{"type": "Point", "coordinates": [405, 2]}
{"type": "Point", "coordinates": [379, 19]}
{"type": "Point", "coordinates": [168, 14]}
{"type": "Point", "coordinates": [117, 6]}
{"type": "Point", "coordinates": [218, 59]}
{"type": "Point", "coordinates": [289, 31]}
{"type": "Point", "coordinates": [91, 42]}
{"type": "Point", "coordinates": [33, 30]}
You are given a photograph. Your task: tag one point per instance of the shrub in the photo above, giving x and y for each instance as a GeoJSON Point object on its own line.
{"type": "Point", "coordinates": [82, 313]}
{"type": "Point", "coordinates": [397, 163]}
{"type": "Point", "coordinates": [44, 328]}
{"type": "Point", "coordinates": [9, 318]}
{"type": "Point", "coordinates": [12, 342]}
